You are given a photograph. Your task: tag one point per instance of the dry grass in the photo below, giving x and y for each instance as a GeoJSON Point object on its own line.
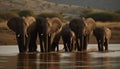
{"type": "Point", "coordinates": [109, 24]}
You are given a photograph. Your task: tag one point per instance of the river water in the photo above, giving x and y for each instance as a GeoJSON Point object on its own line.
{"type": "Point", "coordinates": [91, 59]}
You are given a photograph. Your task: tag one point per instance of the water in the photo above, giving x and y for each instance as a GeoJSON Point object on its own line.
{"type": "Point", "coordinates": [92, 59]}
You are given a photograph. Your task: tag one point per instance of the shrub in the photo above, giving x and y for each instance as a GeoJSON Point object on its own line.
{"type": "Point", "coordinates": [50, 15]}
{"type": "Point", "coordinates": [104, 16]}
{"type": "Point", "coordinates": [25, 13]}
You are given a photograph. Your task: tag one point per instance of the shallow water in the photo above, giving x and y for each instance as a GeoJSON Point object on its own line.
{"type": "Point", "coordinates": [92, 59]}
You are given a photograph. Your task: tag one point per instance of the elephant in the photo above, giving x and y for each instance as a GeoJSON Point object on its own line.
{"type": "Point", "coordinates": [78, 26]}
{"type": "Point", "coordinates": [103, 35]}
{"type": "Point", "coordinates": [90, 26]}
{"type": "Point", "coordinates": [23, 27]}
{"type": "Point", "coordinates": [47, 29]}
{"type": "Point", "coordinates": [68, 38]}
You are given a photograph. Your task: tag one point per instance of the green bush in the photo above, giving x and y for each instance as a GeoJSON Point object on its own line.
{"type": "Point", "coordinates": [104, 16]}
{"type": "Point", "coordinates": [50, 15]}
{"type": "Point", "coordinates": [25, 13]}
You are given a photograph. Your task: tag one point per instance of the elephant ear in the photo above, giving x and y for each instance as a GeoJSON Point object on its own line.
{"type": "Point", "coordinates": [90, 22]}
{"type": "Point", "coordinates": [29, 20]}
{"type": "Point", "coordinates": [55, 24]}
{"type": "Point", "coordinates": [15, 24]}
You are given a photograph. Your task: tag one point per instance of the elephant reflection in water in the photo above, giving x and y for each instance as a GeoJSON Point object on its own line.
{"type": "Point", "coordinates": [24, 27]}
{"type": "Point", "coordinates": [47, 29]}
{"type": "Point", "coordinates": [38, 61]}
{"type": "Point", "coordinates": [103, 35]}
{"type": "Point", "coordinates": [83, 61]}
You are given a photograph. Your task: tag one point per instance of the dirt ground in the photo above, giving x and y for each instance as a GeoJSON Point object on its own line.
{"type": "Point", "coordinates": [7, 37]}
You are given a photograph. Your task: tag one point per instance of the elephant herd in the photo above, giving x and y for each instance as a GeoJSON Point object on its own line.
{"type": "Point", "coordinates": [75, 34]}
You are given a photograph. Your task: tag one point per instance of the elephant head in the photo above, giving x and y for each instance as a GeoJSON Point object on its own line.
{"type": "Point", "coordinates": [20, 26]}
{"type": "Point", "coordinates": [102, 35]}
{"type": "Point", "coordinates": [90, 26]}
{"type": "Point", "coordinates": [77, 25]}
{"type": "Point", "coordinates": [47, 28]}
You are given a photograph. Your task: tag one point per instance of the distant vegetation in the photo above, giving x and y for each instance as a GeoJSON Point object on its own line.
{"type": "Point", "coordinates": [13, 13]}
{"type": "Point", "coordinates": [104, 16]}
{"type": "Point", "coordinates": [50, 15]}
{"type": "Point", "coordinates": [98, 16]}
{"type": "Point", "coordinates": [25, 13]}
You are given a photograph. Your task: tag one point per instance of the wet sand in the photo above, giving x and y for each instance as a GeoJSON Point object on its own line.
{"type": "Point", "coordinates": [92, 59]}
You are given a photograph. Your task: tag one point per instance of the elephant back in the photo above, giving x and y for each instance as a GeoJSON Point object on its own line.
{"type": "Point", "coordinates": [15, 24]}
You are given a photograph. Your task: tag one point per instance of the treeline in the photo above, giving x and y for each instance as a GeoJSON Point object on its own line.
{"type": "Point", "coordinates": [97, 16]}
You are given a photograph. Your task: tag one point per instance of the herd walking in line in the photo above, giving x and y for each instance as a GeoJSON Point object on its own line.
{"type": "Point", "coordinates": [75, 34]}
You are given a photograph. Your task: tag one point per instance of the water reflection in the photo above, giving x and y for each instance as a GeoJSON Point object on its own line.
{"type": "Point", "coordinates": [69, 60]}
{"type": "Point", "coordinates": [38, 61]}
{"type": "Point", "coordinates": [62, 61]}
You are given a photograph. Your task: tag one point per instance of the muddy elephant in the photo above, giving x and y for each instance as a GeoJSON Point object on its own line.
{"type": "Point", "coordinates": [77, 25]}
{"type": "Point", "coordinates": [90, 26]}
{"type": "Point", "coordinates": [103, 35]}
{"type": "Point", "coordinates": [23, 27]}
{"type": "Point", "coordinates": [47, 29]}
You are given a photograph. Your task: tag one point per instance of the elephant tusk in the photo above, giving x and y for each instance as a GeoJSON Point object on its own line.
{"type": "Point", "coordinates": [18, 35]}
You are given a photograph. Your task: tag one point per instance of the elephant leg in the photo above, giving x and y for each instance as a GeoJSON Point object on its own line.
{"type": "Point", "coordinates": [77, 44]}
{"type": "Point", "coordinates": [65, 47]}
{"type": "Point", "coordinates": [85, 42]}
{"type": "Point", "coordinates": [106, 44]}
{"type": "Point", "coordinates": [20, 41]}
{"type": "Point", "coordinates": [32, 42]}
{"type": "Point", "coordinates": [81, 44]}
{"type": "Point", "coordinates": [46, 43]}
{"type": "Point", "coordinates": [99, 45]}
{"type": "Point", "coordinates": [102, 44]}
{"type": "Point", "coordinates": [71, 46]}
{"type": "Point", "coordinates": [55, 42]}
{"type": "Point", "coordinates": [41, 45]}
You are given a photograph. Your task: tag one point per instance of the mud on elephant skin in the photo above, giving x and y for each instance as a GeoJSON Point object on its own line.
{"type": "Point", "coordinates": [103, 35]}
{"type": "Point", "coordinates": [22, 26]}
{"type": "Point", "coordinates": [47, 29]}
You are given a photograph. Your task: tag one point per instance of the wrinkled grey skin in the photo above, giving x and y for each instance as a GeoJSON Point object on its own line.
{"type": "Point", "coordinates": [47, 29]}
{"type": "Point", "coordinates": [77, 25]}
{"type": "Point", "coordinates": [20, 26]}
{"type": "Point", "coordinates": [103, 35]}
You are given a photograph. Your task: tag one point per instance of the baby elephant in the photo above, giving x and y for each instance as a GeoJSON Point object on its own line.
{"type": "Point", "coordinates": [103, 35]}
